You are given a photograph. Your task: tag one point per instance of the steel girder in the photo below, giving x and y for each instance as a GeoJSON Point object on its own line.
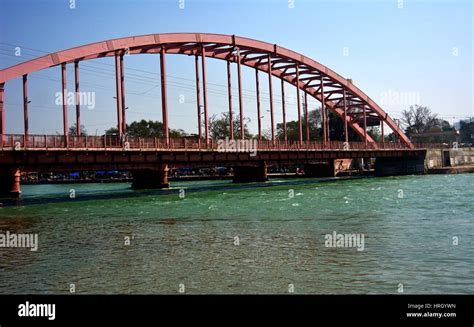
{"type": "Point", "coordinates": [253, 53]}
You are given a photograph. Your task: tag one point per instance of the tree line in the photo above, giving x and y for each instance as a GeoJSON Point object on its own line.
{"type": "Point", "coordinates": [418, 122]}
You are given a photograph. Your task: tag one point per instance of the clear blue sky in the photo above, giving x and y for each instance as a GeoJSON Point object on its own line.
{"type": "Point", "coordinates": [390, 49]}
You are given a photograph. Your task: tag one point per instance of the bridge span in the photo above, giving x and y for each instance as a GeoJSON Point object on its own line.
{"type": "Point", "coordinates": [149, 159]}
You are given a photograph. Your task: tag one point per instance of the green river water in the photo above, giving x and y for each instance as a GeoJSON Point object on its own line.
{"type": "Point", "coordinates": [409, 225]}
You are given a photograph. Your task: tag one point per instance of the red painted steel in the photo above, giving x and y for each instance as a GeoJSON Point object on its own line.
{"type": "Point", "coordinates": [346, 132]}
{"type": "Point", "coordinates": [2, 113]}
{"type": "Point", "coordinates": [112, 142]}
{"type": "Point", "coordinates": [25, 105]}
{"type": "Point", "coordinates": [259, 115]}
{"type": "Point", "coordinates": [383, 134]}
{"type": "Point", "coordinates": [365, 125]}
{"type": "Point", "coordinates": [198, 99]}
{"type": "Point", "coordinates": [241, 100]}
{"type": "Point", "coordinates": [328, 121]}
{"type": "Point", "coordinates": [77, 98]}
{"type": "Point", "coordinates": [65, 117]}
{"type": "Point", "coordinates": [118, 95]}
{"type": "Point", "coordinates": [270, 89]}
{"type": "Point", "coordinates": [220, 48]}
{"type": "Point", "coordinates": [204, 91]}
{"type": "Point", "coordinates": [300, 127]}
{"type": "Point", "coordinates": [164, 96]}
{"type": "Point", "coordinates": [283, 110]}
{"type": "Point", "coordinates": [323, 111]}
{"type": "Point", "coordinates": [229, 93]}
{"type": "Point", "coordinates": [122, 95]}
{"type": "Point", "coordinates": [306, 113]}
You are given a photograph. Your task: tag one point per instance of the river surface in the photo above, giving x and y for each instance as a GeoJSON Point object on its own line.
{"type": "Point", "coordinates": [219, 237]}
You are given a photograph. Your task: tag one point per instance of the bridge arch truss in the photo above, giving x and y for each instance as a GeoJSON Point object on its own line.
{"type": "Point", "coordinates": [335, 93]}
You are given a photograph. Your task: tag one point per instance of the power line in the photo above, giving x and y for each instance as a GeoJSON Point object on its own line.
{"type": "Point", "coordinates": [133, 69]}
{"type": "Point", "coordinates": [176, 85]}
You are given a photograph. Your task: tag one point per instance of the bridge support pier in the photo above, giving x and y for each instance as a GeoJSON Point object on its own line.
{"type": "Point", "coordinates": [320, 169]}
{"type": "Point", "coordinates": [388, 166]}
{"type": "Point", "coordinates": [249, 174]}
{"type": "Point", "coordinates": [150, 178]}
{"type": "Point", "coordinates": [10, 182]}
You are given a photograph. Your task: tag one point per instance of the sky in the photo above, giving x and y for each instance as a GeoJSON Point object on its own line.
{"type": "Point", "coordinates": [398, 52]}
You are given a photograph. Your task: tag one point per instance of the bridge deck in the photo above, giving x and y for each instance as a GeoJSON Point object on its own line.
{"type": "Point", "coordinates": [15, 142]}
{"type": "Point", "coordinates": [46, 153]}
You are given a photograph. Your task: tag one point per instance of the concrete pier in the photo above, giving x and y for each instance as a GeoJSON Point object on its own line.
{"type": "Point", "coordinates": [387, 166]}
{"type": "Point", "coordinates": [323, 169]}
{"type": "Point", "coordinates": [249, 174]}
{"type": "Point", "coordinates": [10, 182]}
{"type": "Point", "coordinates": [150, 178]}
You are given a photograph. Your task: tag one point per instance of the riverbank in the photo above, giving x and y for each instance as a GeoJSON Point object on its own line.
{"type": "Point", "coordinates": [346, 173]}
{"type": "Point", "coordinates": [129, 180]}
{"type": "Point", "coordinates": [451, 170]}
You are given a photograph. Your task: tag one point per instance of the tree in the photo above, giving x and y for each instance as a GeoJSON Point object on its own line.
{"type": "Point", "coordinates": [375, 133]}
{"type": "Point", "coordinates": [112, 131]}
{"type": "Point", "coordinates": [219, 127]}
{"type": "Point", "coordinates": [314, 120]}
{"type": "Point", "coordinates": [466, 131]}
{"type": "Point", "coordinates": [293, 131]}
{"type": "Point", "coordinates": [336, 129]}
{"type": "Point", "coordinates": [147, 128]}
{"type": "Point", "coordinates": [73, 130]}
{"type": "Point", "coordinates": [391, 138]}
{"type": "Point", "coordinates": [177, 133]}
{"type": "Point", "coordinates": [424, 126]}
{"type": "Point", "coordinates": [418, 119]}
{"type": "Point", "coordinates": [266, 134]}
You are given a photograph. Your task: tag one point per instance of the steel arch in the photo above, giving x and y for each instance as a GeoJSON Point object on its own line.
{"type": "Point", "coordinates": [284, 64]}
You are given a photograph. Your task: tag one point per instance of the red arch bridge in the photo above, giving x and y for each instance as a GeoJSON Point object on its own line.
{"type": "Point", "coordinates": [150, 158]}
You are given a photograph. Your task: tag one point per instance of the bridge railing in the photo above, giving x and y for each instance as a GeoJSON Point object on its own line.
{"type": "Point", "coordinates": [435, 145]}
{"type": "Point", "coordinates": [57, 141]}
{"type": "Point", "coordinates": [18, 141]}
